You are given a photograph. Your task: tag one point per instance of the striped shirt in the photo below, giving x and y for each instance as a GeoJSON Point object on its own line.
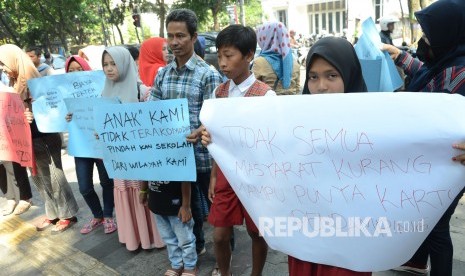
{"type": "Point", "coordinates": [196, 81]}
{"type": "Point", "coordinates": [450, 80]}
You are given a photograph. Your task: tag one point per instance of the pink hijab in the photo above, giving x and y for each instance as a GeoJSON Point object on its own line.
{"type": "Point", "coordinates": [151, 59]}
{"type": "Point", "coordinates": [85, 66]}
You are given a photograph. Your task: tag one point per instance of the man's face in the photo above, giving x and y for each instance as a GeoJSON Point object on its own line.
{"type": "Point", "coordinates": [390, 27]}
{"type": "Point", "coordinates": [179, 40]}
{"type": "Point", "coordinates": [35, 58]}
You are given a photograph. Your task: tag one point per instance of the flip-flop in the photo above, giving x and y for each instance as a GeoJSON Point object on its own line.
{"type": "Point", "coordinates": [63, 224]}
{"type": "Point", "coordinates": [173, 272]}
{"type": "Point", "coordinates": [190, 273]}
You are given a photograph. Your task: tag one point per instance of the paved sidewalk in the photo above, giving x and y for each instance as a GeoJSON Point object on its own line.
{"type": "Point", "coordinates": [23, 251]}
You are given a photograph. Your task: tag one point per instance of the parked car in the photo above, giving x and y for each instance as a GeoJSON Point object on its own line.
{"type": "Point", "coordinates": [211, 55]}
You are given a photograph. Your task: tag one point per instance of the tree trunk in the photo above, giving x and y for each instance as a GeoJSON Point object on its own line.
{"type": "Point", "coordinates": [411, 18]}
{"type": "Point", "coordinates": [215, 10]}
{"type": "Point", "coordinates": [424, 3]}
{"type": "Point", "coordinates": [12, 33]}
{"type": "Point", "coordinates": [161, 4]}
{"type": "Point", "coordinates": [402, 18]}
{"type": "Point", "coordinates": [120, 34]}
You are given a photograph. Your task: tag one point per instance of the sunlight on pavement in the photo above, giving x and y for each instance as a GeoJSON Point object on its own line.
{"type": "Point", "coordinates": [13, 231]}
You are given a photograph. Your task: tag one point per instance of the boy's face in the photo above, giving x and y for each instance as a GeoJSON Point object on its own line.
{"type": "Point", "coordinates": [179, 40]}
{"type": "Point", "coordinates": [233, 64]}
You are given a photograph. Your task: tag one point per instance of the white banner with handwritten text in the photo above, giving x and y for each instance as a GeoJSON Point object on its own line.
{"type": "Point", "coordinates": [350, 180]}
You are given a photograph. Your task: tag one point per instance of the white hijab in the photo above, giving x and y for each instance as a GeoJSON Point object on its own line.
{"type": "Point", "coordinates": [125, 88]}
{"type": "Point", "coordinates": [92, 54]}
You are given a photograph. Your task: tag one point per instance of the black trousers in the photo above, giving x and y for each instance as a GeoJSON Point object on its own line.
{"type": "Point", "coordinates": [14, 181]}
{"type": "Point", "coordinates": [438, 245]}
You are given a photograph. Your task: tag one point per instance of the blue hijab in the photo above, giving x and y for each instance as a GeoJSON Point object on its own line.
{"type": "Point", "coordinates": [443, 24]}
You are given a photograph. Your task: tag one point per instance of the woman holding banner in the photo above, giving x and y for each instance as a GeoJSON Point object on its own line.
{"type": "Point", "coordinates": [48, 175]}
{"type": "Point", "coordinates": [136, 224]}
{"type": "Point", "coordinates": [441, 68]}
{"type": "Point", "coordinates": [14, 180]}
{"type": "Point", "coordinates": [85, 171]}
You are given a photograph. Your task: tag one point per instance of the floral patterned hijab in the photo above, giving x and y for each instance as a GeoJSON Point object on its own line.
{"type": "Point", "coordinates": [273, 38]}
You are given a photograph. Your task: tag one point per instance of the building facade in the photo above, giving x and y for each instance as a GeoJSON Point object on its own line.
{"type": "Point", "coordinates": [334, 16]}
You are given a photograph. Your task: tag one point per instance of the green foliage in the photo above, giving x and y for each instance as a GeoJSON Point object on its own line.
{"type": "Point", "coordinates": [52, 23]}
{"type": "Point", "coordinates": [205, 10]}
{"type": "Point", "coordinates": [253, 13]}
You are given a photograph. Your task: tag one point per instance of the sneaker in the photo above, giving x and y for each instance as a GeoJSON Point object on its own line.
{"type": "Point", "coordinates": [10, 207]}
{"type": "Point", "coordinates": [201, 251]}
{"type": "Point", "coordinates": [23, 206]}
{"type": "Point", "coordinates": [46, 223]}
{"type": "Point", "coordinates": [109, 225]}
{"type": "Point", "coordinates": [93, 223]}
{"type": "Point", "coordinates": [413, 268]}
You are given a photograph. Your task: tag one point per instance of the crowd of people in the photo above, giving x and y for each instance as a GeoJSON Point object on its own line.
{"type": "Point", "coordinates": [158, 214]}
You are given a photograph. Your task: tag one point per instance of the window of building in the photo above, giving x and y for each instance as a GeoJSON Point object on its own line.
{"type": "Point", "coordinates": [282, 16]}
{"type": "Point", "coordinates": [378, 5]}
{"type": "Point", "coordinates": [329, 16]}
{"type": "Point", "coordinates": [330, 22]}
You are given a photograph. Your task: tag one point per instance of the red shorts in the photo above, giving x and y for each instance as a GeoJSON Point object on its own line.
{"type": "Point", "coordinates": [227, 210]}
{"type": "Point", "coordinates": [298, 267]}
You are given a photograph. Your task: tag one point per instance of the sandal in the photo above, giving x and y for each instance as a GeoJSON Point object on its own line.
{"type": "Point", "coordinates": [216, 271]}
{"type": "Point", "coordinates": [93, 223]}
{"type": "Point", "coordinates": [22, 206]}
{"type": "Point", "coordinates": [173, 272]}
{"type": "Point", "coordinates": [46, 223]}
{"type": "Point", "coordinates": [10, 207]}
{"type": "Point", "coordinates": [190, 272]}
{"type": "Point", "coordinates": [63, 224]}
{"type": "Point", "coordinates": [109, 225]}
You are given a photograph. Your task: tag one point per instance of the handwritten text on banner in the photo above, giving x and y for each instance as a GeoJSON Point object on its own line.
{"type": "Point", "coordinates": [15, 133]}
{"type": "Point", "coordinates": [48, 94]}
{"type": "Point", "coordinates": [339, 157]}
{"type": "Point", "coordinates": [82, 142]}
{"type": "Point", "coordinates": [147, 141]}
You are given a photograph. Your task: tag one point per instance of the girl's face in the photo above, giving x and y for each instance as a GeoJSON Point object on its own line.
{"type": "Point", "coordinates": [324, 78]}
{"type": "Point", "coordinates": [164, 51]}
{"type": "Point", "coordinates": [74, 67]}
{"type": "Point", "coordinates": [109, 68]}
